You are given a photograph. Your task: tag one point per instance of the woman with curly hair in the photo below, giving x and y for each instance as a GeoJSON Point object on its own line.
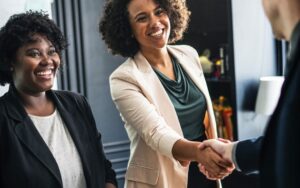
{"type": "Point", "coordinates": [161, 94]}
{"type": "Point", "coordinates": [47, 138]}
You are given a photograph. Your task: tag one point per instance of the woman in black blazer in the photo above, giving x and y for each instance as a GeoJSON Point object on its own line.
{"type": "Point", "coordinates": [48, 138]}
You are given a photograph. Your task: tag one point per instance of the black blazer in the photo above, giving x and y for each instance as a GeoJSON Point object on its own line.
{"type": "Point", "coordinates": [277, 154]}
{"type": "Point", "coordinates": [248, 154]}
{"type": "Point", "coordinates": [280, 158]}
{"type": "Point", "coordinates": [26, 161]}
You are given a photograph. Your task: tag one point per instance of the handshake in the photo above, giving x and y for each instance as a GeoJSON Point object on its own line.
{"type": "Point", "coordinates": [215, 158]}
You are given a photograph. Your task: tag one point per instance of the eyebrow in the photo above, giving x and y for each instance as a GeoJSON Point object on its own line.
{"type": "Point", "coordinates": [141, 13]}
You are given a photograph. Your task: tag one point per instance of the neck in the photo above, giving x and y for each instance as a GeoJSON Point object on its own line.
{"type": "Point", "coordinates": [157, 58]}
{"type": "Point", "coordinates": [37, 104]}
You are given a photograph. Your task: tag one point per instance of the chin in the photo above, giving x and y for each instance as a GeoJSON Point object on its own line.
{"type": "Point", "coordinates": [279, 36]}
{"type": "Point", "coordinates": [46, 87]}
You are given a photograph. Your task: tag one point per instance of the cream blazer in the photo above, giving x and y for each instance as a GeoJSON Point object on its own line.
{"type": "Point", "coordinates": [151, 121]}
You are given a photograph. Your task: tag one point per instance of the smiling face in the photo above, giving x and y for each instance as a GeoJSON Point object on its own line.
{"type": "Point", "coordinates": [150, 24]}
{"type": "Point", "coordinates": [35, 66]}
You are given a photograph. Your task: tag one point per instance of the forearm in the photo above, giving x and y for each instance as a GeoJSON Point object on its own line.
{"type": "Point", "coordinates": [184, 150]}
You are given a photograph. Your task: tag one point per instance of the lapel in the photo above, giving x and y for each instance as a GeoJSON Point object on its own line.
{"type": "Point", "coordinates": [30, 137]}
{"type": "Point", "coordinates": [28, 134]}
{"type": "Point", "coordinates": [189, 67]}
{"type": "Point", "coordinates": [77, 129]}
{"type": "Point", "coordinates": [189, 62]}
{"type": "Point", "coordinates": [155, 92]}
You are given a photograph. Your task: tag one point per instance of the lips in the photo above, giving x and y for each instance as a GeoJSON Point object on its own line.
{"type": "Point", "coordinates": [157, 33]}
{"type": "Point", "coordinates": [45, 74]}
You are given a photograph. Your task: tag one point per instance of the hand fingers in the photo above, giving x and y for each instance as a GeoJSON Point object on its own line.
{"type": "Point", "coordinates": [201, 146]}
{"type": "Point", "coordinates": [217, 165]}
{"type": "Point", "coordinates": [224, 140]}
{"type": "Point", "coordinates": [208, 175]}
{"type": "Point", "coordinates": [225, 163]}
{"type": "Point", "coordinates": [218, 159]}
{"type": "Point", "coordinates": [212, 177]}
{"type": "Point", "coordinates": [216, 145]}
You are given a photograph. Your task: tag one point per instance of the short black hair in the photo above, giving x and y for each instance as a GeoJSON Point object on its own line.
{"type": "Point", "coordinates": [116, 30]}
{"type": "Point", "coordinates": [19, 31]}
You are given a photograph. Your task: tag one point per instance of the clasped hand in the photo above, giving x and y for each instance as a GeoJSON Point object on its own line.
{"type": "Point", "coordinates": [214, 158]}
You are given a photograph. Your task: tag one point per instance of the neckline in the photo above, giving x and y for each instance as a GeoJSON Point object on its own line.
{"type": "Point", "coordinates": [43, 117]}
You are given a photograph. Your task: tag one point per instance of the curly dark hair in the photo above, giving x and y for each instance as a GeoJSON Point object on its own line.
{"type": "Point", "coordinates": [19, 31]}
{"type": "Point", "coordinates": [116, 30]}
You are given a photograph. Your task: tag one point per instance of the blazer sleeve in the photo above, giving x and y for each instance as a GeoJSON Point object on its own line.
{"type": "Point", "coordinates": [141, 115]}
{"type": "Point", "coordinates": [247, 154]}
{"type": "Point", "coordinates": [110, 175]}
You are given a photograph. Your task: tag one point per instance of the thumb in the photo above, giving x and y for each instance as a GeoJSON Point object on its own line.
{"type": "Point", "coordinates": [206, 143]}
{"type": "Point", "coordinates": [201, 146]}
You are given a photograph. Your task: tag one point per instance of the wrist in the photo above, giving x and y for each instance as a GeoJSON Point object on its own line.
{"type": "Point", "coordinates": [198, 151]}
{"type": "Point", "coordinates": [228, 151]}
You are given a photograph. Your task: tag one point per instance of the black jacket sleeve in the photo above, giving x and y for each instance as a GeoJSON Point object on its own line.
{"type": "Point", "coordinates": [110, 175]}
{"type": "Point", "coordinates": [248, 154]}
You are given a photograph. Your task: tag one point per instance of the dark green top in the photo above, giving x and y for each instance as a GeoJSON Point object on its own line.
{"type": "Point", "coordinates": [188, 100]}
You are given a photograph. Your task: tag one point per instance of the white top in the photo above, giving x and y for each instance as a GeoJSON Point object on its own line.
{"type": "Point", "coordinates": [60, 143]}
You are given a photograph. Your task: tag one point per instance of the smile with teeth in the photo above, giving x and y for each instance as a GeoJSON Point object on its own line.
{"type": "Point", "coordinates": [45, 73]}
{"type": "Point", "coordinates": [157, 33]}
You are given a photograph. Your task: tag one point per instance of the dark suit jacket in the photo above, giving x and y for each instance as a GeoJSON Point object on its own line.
{"type": "Point", "coordinates": [277, 155]}
{"type": "Point", "coordinates": [248, 154]}
{"type": "Point", "coordinates": [26, 161]}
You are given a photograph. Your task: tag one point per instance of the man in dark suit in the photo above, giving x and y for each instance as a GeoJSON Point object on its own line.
{"type": "Point", "coordinates": [276, 154]}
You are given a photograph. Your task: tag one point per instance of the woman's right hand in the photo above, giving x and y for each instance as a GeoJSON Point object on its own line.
{"type": "Point", "coordinates": [214, 164]}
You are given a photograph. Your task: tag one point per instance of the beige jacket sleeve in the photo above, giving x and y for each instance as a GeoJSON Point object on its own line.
{"type": "Point", "coordinates": [140, 114]}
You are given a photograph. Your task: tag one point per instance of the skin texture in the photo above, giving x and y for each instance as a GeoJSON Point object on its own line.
{"type": "Point", "coordinates": [36, 66]}
{"type": "Point", "coordinates": [151, 28]}
{"type": "Point", "coordinates": [20, 31]}
{"type": "Point", "coordinates": [223, 148]}
{"type": "Point", "coordinates": [150, 25]}
{"type": "Point", "coordinates": [33, 74]}
{"type": "Point", "coordinates": [283, 16]}
{"type": "Point", "coordinates": [115, 27]}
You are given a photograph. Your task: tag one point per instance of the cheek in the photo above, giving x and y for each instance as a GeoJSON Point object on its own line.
{"type": "Point", "coordinates": [19, 75]}
{"type": "Point", "coordinates": [134, 28]}
{"type": "Point", "coordinates": [269, 10]}
{"type": "Point", "coordinates": [57, 60]}
{"type": "Point", "coordinates": [138, 31]}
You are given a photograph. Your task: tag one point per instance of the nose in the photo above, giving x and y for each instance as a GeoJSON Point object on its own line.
{"type": "Point", "coordinates": [46, 59]}
{"type": "Point", "coordinates": [154, 21]}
